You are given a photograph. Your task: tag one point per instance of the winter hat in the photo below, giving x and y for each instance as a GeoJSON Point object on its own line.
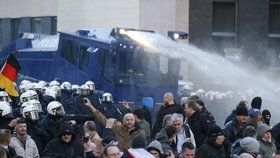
{"type": "Point", "coordinates": [148, 102]}
{"type": "Point", "coordinates": [66, 129]}
{"type": "Point", "coordinates": [138, 142]}
{"type": "Point", "coordinates": [254, 112]}
{"type": "Point", "coordinates": [214, 131]}
{"type": "Point", "coordinates": [200, 102]}
{"type": "Point", "coordinates": [241, 111]}
{"type": "Point", "coordinates": [257, 103]}
{"type": "Point", "coordinates": [262, 129]}
{"type": "Point", "coordinates": [265, 113]}
{"type": "Point", "coordinates": [155, 145]}
{"type": "Point", "coordinates": [250, 145]}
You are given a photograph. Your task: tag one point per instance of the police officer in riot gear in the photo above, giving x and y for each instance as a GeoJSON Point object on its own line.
{"type": "Point", "coordinates": [78, 105]}
{"type": "Point", "coordinates": [66, 96]}
{"type": "Point", "coordinates": [30, 113]}
{"type": "Point", "coordinates": [53, 120]}
{"type": "Point", "coordinates": [108, 109]}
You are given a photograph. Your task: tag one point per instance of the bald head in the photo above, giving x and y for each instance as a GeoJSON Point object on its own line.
{"type": "Point", "coordinates": [184, 101]}
{"type": "Point", "coordinates": [168, 98]}
{"type": "Point", "coordinates": [129, 120]}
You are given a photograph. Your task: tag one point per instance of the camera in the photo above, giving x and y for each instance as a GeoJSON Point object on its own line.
{"type": "Point", "coordinates": [84, 100]}
{"type": "Point", "coordinates": [85, 137]}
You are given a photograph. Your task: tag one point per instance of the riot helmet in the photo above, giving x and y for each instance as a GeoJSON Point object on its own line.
{"type": "Point", "coordinates": [55, 108]}
{"type": "Point", "coordinates": [66, 86]}
{"type": "Point", "coordinates": [4, 96]}
{"type": "Point", "coordinates": [84, 90]}
{"type": "Point", "coordinates": [5, 109]}
{"type": "Point", "coordinates": [91, 85]}
{"type": "Point", "coordinates": [30, 111]}
{"type": "Point", "coordinates": [107, 97]}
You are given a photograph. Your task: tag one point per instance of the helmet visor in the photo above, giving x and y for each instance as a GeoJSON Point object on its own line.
{"type": "Point", "coordinates": [60, 111]}
{"type": "Point", "coordinates": [33, 115]}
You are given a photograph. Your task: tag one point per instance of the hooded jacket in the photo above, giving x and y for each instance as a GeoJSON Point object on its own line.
{"type": "Point", "coordinates": [210, 149]}
{"type": "Point", "coordinates": [199, 123]}
{"type": "Point", "coordinates": [267, 148]}
{"type": "Point", "coordinates": [57, 148]}
{"type": "Point", "coordinates": [121, 133]}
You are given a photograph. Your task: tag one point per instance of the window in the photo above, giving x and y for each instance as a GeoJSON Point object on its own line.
{"type": "Point", "coordinates": [84, 57]}
{"type": "Point", "coordinates": [223, 25]}
{"type": "Point", "coordinates": [54, 25]}
{"type": "Point", "coordinates": [108, 60]}
{"type": "Point", "coordinates": [69, 51]}
{"type": "Point", "coordinates": [274, 28]}
{"type": "Point", "coordinates": [36, 25]}
{"type": "Point", "coordinates": [15, 23]}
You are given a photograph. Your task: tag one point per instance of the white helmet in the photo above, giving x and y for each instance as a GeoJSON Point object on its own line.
{"type": "Point", "coordinates": [50, 92]}
{"type": "Point", "coordinates": [31, 112]}
{"type": "Point", "coordinates": [43, 83]}
{"type": "Point", "coordinates": [54, 83]}
{"type": "Point", "coordinates": [4, 96]}
{"type": "Point", "coordinates": [55, 108]}
{"type": "Point", "coordinates": [5, 108]}
{"type": "Point", "coordinates": [107, 97]}
{"type": "Point", "coordinates": [28, 95]}
{"type": "Point", "coordinates": [200, 93]}
{"type": "Point", "coordinates": [25, 82]}
{"type": "Point", "coordinates": [91, 85]}
{"type": "Point", "coordinates": [84, 90]}
{"type": "Point", "coordinates": [57, 89]}
{"type": "Point", "coordinates": [36, 87]}
{"type": "Point", "coordinates": [24, 87]}
{"type": "Point", "coordinates": [76, 88]}
{"type": "Point", "coordinates": [37, 104]}
{"type": "Point", "coordinates": [66, 86]}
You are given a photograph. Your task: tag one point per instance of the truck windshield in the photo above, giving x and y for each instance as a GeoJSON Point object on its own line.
{"type": "Point", "coordinates": [147, 70]}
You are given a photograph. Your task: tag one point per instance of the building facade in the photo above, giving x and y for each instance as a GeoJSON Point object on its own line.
{"type": "Point", "coordinates": [250, 25]}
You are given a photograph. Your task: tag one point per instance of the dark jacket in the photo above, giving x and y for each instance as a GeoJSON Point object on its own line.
{"type": "Point", "coordinates": [78, 107]}
{"type": "Point", "coordinates": [166, 110]}
{"type": "Point", "coordinates": [57, 148]}
{"type": "Point", "coordinates": [199, 123]}
{"type": "Point", "coordinates": [38, 134]}
{"type": "Point", "coordinates": [230, 117]}
{"type": "Point", "coordinates": [210, 150]}
{"type": "Point", "coordinates": [51, 125]}
{"type": "Point", "coordinates": [11, 152]}
{"type": "Point", "coordinates": [109, 110]}
{"type": "Point", "coordinates": [276, 135]}
{"type": "Point", "coordinates": [4, 123]}
{"type": "Point", "coordinates": [66, 100]}
{"type": "Point", "coordinates": [165, 143]}
{"type": "Point", "coordinates": [233, 131]}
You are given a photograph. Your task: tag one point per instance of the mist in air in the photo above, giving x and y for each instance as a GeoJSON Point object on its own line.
{"type": "Point", "coordinates": [216, 69]}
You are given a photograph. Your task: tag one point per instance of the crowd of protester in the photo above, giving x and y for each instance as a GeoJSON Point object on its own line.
{"type": "Point", "coordinates": [53, 120]}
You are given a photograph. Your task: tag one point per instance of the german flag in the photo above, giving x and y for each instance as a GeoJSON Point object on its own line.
{"type": "Point", "coordinates": [8, 75]}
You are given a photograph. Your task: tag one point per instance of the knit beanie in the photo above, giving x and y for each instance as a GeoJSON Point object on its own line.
{"type": "Point", "coordinates": [250, 145]}
{"type": "Point", "coordinates": [241, 111]}
{"type": "Point", "coordinates": [257, 103]}
{"type": "Point", "coordinates": [138, 142]}
{"type": "Point", "coordinates": [214, 131]}
{"type": "Point", "coordinates": [254, 112]}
